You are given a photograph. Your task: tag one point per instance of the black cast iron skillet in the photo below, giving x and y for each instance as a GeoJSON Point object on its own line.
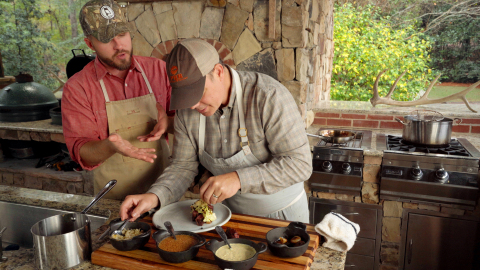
{"type": "Point", "coordinates": [178, 257]}
{"type": "Point", "coordinates": [134, 243]}
{"type": "Point", "coordinates": [214, 245]}
{"type": "Point", "coordinates": [293, 229]}
{"type": "Point", "coordinates": [78, 62]}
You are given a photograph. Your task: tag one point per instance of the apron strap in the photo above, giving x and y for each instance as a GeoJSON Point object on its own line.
{"type": "Point", "coordinates": [242, 131]}
{"type": "Point", "coordinates": [201, 135]}
{"type": "Point", "coordinates": [144, 77]}
{"type": "Point", "coordinates": [104, 89]}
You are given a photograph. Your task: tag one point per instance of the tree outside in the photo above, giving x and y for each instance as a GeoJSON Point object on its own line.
{"type": "Point", "coordinates": [36, 37]}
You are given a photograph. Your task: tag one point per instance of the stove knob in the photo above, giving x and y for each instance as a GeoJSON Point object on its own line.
{"type": "Point", "coordinates": [441, 176]}
{"type": "Point", "coordinates": [346, 168]}
{"type": "Point", "coordinates": [327, 166]}
{"type": "Point", "coordinates": [417, 173]}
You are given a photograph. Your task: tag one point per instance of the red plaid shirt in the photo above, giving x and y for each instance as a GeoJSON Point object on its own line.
{"type": "Point", "coordinates": [84, 116]}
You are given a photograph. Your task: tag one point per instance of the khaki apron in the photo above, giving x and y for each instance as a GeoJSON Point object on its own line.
{"type": "Point", "coordinates": [131, 118]}
{"type": "Point", "coordinates": [289, 203]}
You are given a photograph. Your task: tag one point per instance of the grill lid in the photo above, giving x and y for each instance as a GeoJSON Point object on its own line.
{"type": "Point", "coordinates": [26, 100]}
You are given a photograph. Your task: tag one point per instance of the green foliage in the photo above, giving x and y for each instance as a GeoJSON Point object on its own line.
{"type": "Point", "coordinates": [21, 42]}
{"type": "Point", "coordinates": [36, 37]}
{"type": "Point", "coordinates": [365, 45]}
{"type": "Point", "coordinates": [456, 51]}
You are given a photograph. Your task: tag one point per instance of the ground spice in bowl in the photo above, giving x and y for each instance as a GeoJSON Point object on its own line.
{"type": "Point", "coordinates": [183, 243]}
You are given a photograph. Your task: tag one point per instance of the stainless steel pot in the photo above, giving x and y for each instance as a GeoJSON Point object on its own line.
{"type": "Point", "coordinates": [64, 241]}
{"type": "Point", "coordinates": [431, 132]}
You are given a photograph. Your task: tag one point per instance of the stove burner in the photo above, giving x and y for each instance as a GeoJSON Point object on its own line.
{"type": "Point", "coordinates": [455, 148]}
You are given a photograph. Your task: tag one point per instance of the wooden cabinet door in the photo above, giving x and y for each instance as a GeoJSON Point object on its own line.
{"type": "Point", "coordinates": [434, 242]}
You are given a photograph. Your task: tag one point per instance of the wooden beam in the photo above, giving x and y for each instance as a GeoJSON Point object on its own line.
{"type": "Point", "coordinates": [272, 6]}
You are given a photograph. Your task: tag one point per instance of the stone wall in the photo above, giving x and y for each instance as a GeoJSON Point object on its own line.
{"type": "Point", "coordinates": [23, 172]}
{"type": "Point", "coordinates": [300, 55]}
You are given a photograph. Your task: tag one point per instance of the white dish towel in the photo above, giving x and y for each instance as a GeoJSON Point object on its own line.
{"type": "Point", "coordinates": [339, 232]}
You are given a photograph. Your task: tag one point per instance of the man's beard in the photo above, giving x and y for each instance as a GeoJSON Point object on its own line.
{"type": "Point", "coordinates": [124, 63]}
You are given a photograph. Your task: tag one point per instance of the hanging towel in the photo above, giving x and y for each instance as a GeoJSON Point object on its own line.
{"type": "Point", "coordinates": [339, 232]}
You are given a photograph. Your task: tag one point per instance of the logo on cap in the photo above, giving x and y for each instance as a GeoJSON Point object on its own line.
{"type": "Point", "coordinates": [107, 12]}
{"type": "Point", "coordinates": [176, 77]}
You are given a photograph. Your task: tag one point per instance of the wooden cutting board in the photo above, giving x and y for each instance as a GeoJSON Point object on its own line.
{"type": "Point", "coordinates": [249, 227]}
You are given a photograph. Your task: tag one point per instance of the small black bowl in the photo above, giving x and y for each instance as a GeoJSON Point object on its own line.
{"type": "Point", "coordinates": [56, 115]}
{"type": "Point", "coordinates": [284, 251]}
{"type": "Point", "coordinates": [182, 256]}
{"type": "Point", "coordinates": [134, 243]}
{"type": "Point", "coordinates": [214, 245]}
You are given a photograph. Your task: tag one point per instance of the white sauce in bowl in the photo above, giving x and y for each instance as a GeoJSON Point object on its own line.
{"type": "Point", "coordinates": [239, 252]}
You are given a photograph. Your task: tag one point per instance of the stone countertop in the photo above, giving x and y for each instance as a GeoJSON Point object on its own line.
{"type": "Point", "coordinates": [36, 126]}
{"type": "Point", "coordinates": [457, 109]}
{"type": "Point", "coordinates": [473, 138]}
{"type": "Point", "coordinates": [23, 258]}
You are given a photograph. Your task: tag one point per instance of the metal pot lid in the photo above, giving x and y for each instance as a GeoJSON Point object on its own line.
{"type": "Point", "coordinates": [426, 115]}
{"type": "Point", "coordinates": [26, 93]}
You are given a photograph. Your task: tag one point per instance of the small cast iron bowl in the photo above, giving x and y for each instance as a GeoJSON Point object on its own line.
{"type": "Point", "coordinates": [213, 245]}
{"type": "Point", "coordinates": [134, 243]}
{"type": "Point", "coordinates": [284, 251]}
{"type": "Point", "coordinates": [182, 256]}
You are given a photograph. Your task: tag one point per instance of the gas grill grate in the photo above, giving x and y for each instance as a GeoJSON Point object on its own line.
{"type": "Point", "coordinates": [455, 148]}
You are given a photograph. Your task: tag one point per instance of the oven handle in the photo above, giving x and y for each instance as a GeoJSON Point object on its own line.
{"type": "Point", "coordinates": [347, 214]}
{"type": "Point", "coordinates": [410, 248]}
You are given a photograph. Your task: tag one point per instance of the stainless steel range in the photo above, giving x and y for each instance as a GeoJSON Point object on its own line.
{"type": "Point", "coordinates": [445, 175]}
{"type": "Point", "coordinates": [338, 168]}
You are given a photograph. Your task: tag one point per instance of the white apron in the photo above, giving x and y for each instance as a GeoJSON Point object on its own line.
{"type": "Point", "coordinates": [131, 118]}
{"type": "Point", "coordinates": [289, 203]}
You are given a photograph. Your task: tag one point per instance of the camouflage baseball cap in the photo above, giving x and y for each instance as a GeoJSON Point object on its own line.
{"type": "Point", "coordinates": [103, 19]}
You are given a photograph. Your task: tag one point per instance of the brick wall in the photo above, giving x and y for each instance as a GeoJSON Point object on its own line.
{"type": "Point", "coordinates": [382, 121]}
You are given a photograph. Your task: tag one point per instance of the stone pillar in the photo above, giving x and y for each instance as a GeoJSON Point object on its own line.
{"type": "Point", "coordinates": [299, 55]}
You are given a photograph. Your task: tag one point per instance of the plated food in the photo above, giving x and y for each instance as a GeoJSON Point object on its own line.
{"type": "Point", "coordinates": [180, 215]}
{"type": "Point", "coordinates": [202, 212]}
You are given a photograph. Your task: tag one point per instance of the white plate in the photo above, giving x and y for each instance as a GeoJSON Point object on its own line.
{"type": "Point", "coordinates": [181, 218]}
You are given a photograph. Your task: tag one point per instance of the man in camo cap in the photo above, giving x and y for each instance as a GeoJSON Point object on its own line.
{"type": "Point", "coordinates": [114, 109]}
{"type": "Point", "coordinates": [103, 19]}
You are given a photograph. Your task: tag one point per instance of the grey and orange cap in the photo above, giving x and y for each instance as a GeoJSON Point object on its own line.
{"type": "Point", "coordinates": [187, 67]}
{"type": "Point", "coordinates": [103, 19]}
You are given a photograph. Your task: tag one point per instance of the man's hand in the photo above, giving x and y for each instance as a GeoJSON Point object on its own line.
{"type": "Point", "coordinates": [125, 148]}
{"type": "Point", "coordinates": [223, 186]}
{"type": "Point", "coordinates": [159, 128]}
{"type": "Point", "coordinates": [135, 205]}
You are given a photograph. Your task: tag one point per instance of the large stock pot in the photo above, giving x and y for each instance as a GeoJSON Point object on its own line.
{"type": "Point", "coordinates": [427, 128]}
{"type": "Point", "coordinates": [64, 241]}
